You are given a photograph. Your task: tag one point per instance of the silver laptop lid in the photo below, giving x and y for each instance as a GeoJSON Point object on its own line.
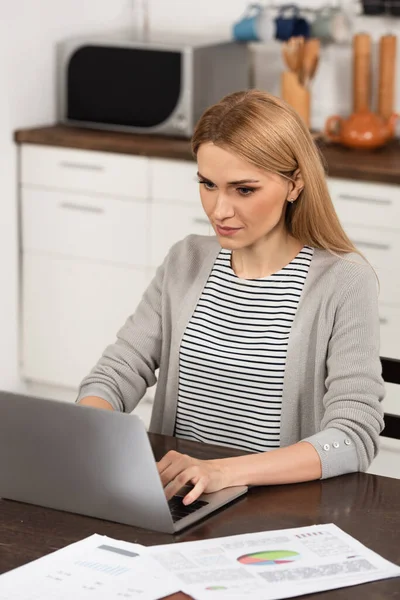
{"type": "Point", "coordinates": [80, 459]}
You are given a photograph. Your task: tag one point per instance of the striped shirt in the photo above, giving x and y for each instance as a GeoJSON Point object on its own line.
{"type": "Point", "coordinates": [233, 354]}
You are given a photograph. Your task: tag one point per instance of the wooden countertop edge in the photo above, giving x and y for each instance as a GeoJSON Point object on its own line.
{"type": "Point", "coordinates": [382, 166]}
{"type": "Point", "coordinates": [106, 141]}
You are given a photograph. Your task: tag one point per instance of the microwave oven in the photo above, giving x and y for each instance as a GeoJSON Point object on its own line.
{"type": "Point", "coordinates": [141, 87]}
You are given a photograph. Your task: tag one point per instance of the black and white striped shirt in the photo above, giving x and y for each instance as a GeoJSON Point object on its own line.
{"type": "Point", "coordinates": [233, 355]}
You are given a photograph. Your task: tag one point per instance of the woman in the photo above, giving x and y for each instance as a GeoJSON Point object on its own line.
{"type": "Point", "coordinates": [267, 336]}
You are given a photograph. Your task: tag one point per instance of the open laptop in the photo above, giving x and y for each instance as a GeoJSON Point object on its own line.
{"type": "Point", "coordinates": [92, 462]}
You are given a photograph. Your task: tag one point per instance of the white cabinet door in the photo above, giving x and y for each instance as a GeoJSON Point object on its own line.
{"type": "Point", "coordinates": [71, 311]}
{"type": "Point", "coordinates": [389, 317]}
{"type": "Point", "coordinates": [174, 181]}
{"type": "Point", "coordinates": [85, 171]}
{"type": "Point", "coordinates": [171, 223]}
{"type": "Point", "coordinates": [366, 204]}
{"type": "Point", "coordinates": [92, 227]}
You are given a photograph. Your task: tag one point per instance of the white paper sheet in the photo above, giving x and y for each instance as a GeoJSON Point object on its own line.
{"type": "Point", "coordinates": [96, 568]}
{"type": "Point", "coordinates": [272, 565]}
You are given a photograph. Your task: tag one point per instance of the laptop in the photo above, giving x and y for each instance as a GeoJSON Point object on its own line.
{"type": "Point", "coordinates": [91, 462]}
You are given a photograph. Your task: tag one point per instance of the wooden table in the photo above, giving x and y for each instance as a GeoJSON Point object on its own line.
{"type": "Point", "coordinates": [364, 506]}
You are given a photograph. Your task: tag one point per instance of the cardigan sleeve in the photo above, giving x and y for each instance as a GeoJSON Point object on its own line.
{"type": "Point", "coordinates": [353, 414]}
{"type": "Point", "coordinates": [127, 367]}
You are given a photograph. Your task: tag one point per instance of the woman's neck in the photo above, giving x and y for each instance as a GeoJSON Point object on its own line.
{"type": "Point", "coordinates": [266, 257]}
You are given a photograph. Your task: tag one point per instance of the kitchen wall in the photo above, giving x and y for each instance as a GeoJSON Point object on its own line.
{"type": "Point", "coordinates": [332, 85]}
{"type": "Point", "coordinates": [28, 32]}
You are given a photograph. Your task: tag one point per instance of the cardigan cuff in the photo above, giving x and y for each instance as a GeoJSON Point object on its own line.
{"type": "Point", "coordinates": [336, 450]}
{"type": "Point", "coordinates": [102, 392]}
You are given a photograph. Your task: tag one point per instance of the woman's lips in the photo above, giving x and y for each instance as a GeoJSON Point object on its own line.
{"type": "Point", "coordinates": [227, 230]}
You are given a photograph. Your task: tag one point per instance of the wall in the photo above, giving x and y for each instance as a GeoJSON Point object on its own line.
{"type": "Point", "coordinates": [332, 85]}
{"type": "Point", "coordinates": [29, 30]}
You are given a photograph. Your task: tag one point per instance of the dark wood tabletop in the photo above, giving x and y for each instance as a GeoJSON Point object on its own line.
{"type": "Point", "coordinates": [364, 506]}
{"type": "Point", "coordinates": [382, 165]}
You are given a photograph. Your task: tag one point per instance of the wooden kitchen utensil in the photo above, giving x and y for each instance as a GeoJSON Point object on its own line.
{"type": "Point", "coordinates": [361, 72]}
{"type": "Point", "coordinates": [295, 94]}
{"type": "Point", "coordinates": [310, 60]}
{"type": "Point", "coordinates": [387, 74]}
{"type": "Point", "coordinates": [301, 57]}
{"type": "Point", "coordinates": [293, 53]}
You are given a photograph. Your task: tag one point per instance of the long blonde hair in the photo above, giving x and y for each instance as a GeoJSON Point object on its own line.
{"type": "Point", "coordinates": [268, 133]}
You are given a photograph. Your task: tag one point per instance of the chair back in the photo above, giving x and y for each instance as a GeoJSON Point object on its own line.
{"type": "Point", "coordinates": [391, 374]}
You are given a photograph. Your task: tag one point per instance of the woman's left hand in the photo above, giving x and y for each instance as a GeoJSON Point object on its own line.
{"type": "Point", "coordinates": [177, 470]}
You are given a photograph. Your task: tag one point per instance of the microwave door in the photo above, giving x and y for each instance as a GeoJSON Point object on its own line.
{"type": "Point", "coordinates": [134, 88]}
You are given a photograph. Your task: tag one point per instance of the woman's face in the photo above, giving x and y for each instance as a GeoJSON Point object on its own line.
{"type": "Point", "coordinates": [244, 204]}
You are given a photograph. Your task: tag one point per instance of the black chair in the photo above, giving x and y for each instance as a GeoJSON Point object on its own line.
{"type": "Point", "coordinates": [391, 374]}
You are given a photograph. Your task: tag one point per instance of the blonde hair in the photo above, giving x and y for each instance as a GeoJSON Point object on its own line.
{"type": "Point", "coordinates": [268, 133]}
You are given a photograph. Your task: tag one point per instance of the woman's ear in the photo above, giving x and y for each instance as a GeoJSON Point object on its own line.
{"type": "Point", "coordinates": [296, 186]}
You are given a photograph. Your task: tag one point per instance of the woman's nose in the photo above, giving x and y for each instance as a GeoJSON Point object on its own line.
{"type": "Point", "coordinates": [223, 208]}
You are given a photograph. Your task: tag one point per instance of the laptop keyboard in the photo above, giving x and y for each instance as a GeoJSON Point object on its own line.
{"type": "Point", "coordinates": [179, 510]}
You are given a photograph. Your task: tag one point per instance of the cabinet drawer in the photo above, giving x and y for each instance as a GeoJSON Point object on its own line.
{"type": "Point", "coordinates": [389, 288]}
{"type": "Point", "coordinates": [169, 224]}
{"type": "Point", "coordinates": [174, 181]}
{"type": "Point", "coordinates": [389, 317]}
{"type": "Point", "coordinates": [72, 310]}
{"type": "Point", "coordinates": [85, 171]}
{"type": "Point", "coordinates": [366, 204]}
{"type": "Point", "coordinates": [97, 228]}
{"type": "Point", "coordinates": [380, 248]}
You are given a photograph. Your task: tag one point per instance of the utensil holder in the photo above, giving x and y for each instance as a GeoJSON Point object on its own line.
{"type": "Point", "coordinates": [296, 94]}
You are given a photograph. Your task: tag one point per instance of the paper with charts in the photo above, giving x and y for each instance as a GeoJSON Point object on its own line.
{"type": "Point", "coordinates": [272, 565]}
{"type": "Point", "coordinates": [97, 568]}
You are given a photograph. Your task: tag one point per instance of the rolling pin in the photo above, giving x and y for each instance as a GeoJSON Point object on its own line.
{"type": "Point", "coordinates": [387, 73]}
{"type": "Point", "coordinates": [361, 72]}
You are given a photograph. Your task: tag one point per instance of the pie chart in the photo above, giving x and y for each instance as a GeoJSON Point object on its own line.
{"type": "Point", "coordinates": [269, 557]}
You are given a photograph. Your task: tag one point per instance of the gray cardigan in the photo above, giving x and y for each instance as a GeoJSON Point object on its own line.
{"type": "Point", "coordinates": [332, 386]}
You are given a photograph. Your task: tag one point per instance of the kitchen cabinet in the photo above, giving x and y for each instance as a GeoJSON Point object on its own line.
{"type": "Point", "coordinates": [95, 225]}
{"type": "Point", "coordinates": [172, 222]}
{"type": "Point", "coordinates": [94, 228]}
{"type": "Point", "coordinates": [370, 215]}
{"type": "Point", "coordinates": [85, 256]}
{"type": "Point", "coordinates": [91, 171]}
{"type": "Point", "coordinates": [83, 226]}
{"type": "Point", "coordinates": [72, 309]}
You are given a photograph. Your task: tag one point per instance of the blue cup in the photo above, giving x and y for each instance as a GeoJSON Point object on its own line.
{"type": "Point", "coordinates": [289, 23]}
{"type": "Point", "coordinates": [245, 30]}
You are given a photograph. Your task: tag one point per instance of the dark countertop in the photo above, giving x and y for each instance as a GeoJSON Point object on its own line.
{"type": "Point", "coordinates": [382, 166]}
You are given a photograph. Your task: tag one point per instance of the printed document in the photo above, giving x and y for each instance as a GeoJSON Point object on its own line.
{"type": "Point", "coordinates": [267, 565]}
{"type": "Point", "coordinates": [273, 564]}
{"type": "Point", "coordinates": [97, 568]}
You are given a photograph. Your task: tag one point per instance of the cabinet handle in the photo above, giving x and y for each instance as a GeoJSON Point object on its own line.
{"type": "Point", "coordinates": [370, 245]}
{"type": "Point", "coordinates": [383, 320]}
{"type": "Point", "coordinates": [83, 166]}
{"type": "Point", "coordinates": [201, 221]}
{"type": "Point", "coordinates": [82, 208]}
{"type": "Point", "coordinates": [366, 200]}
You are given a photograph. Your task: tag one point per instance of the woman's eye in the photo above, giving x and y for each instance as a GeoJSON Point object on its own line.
{"type": "Point", "coordinates": [245, 191]}
{"type": "Point", "coordinates": [208, 185]}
